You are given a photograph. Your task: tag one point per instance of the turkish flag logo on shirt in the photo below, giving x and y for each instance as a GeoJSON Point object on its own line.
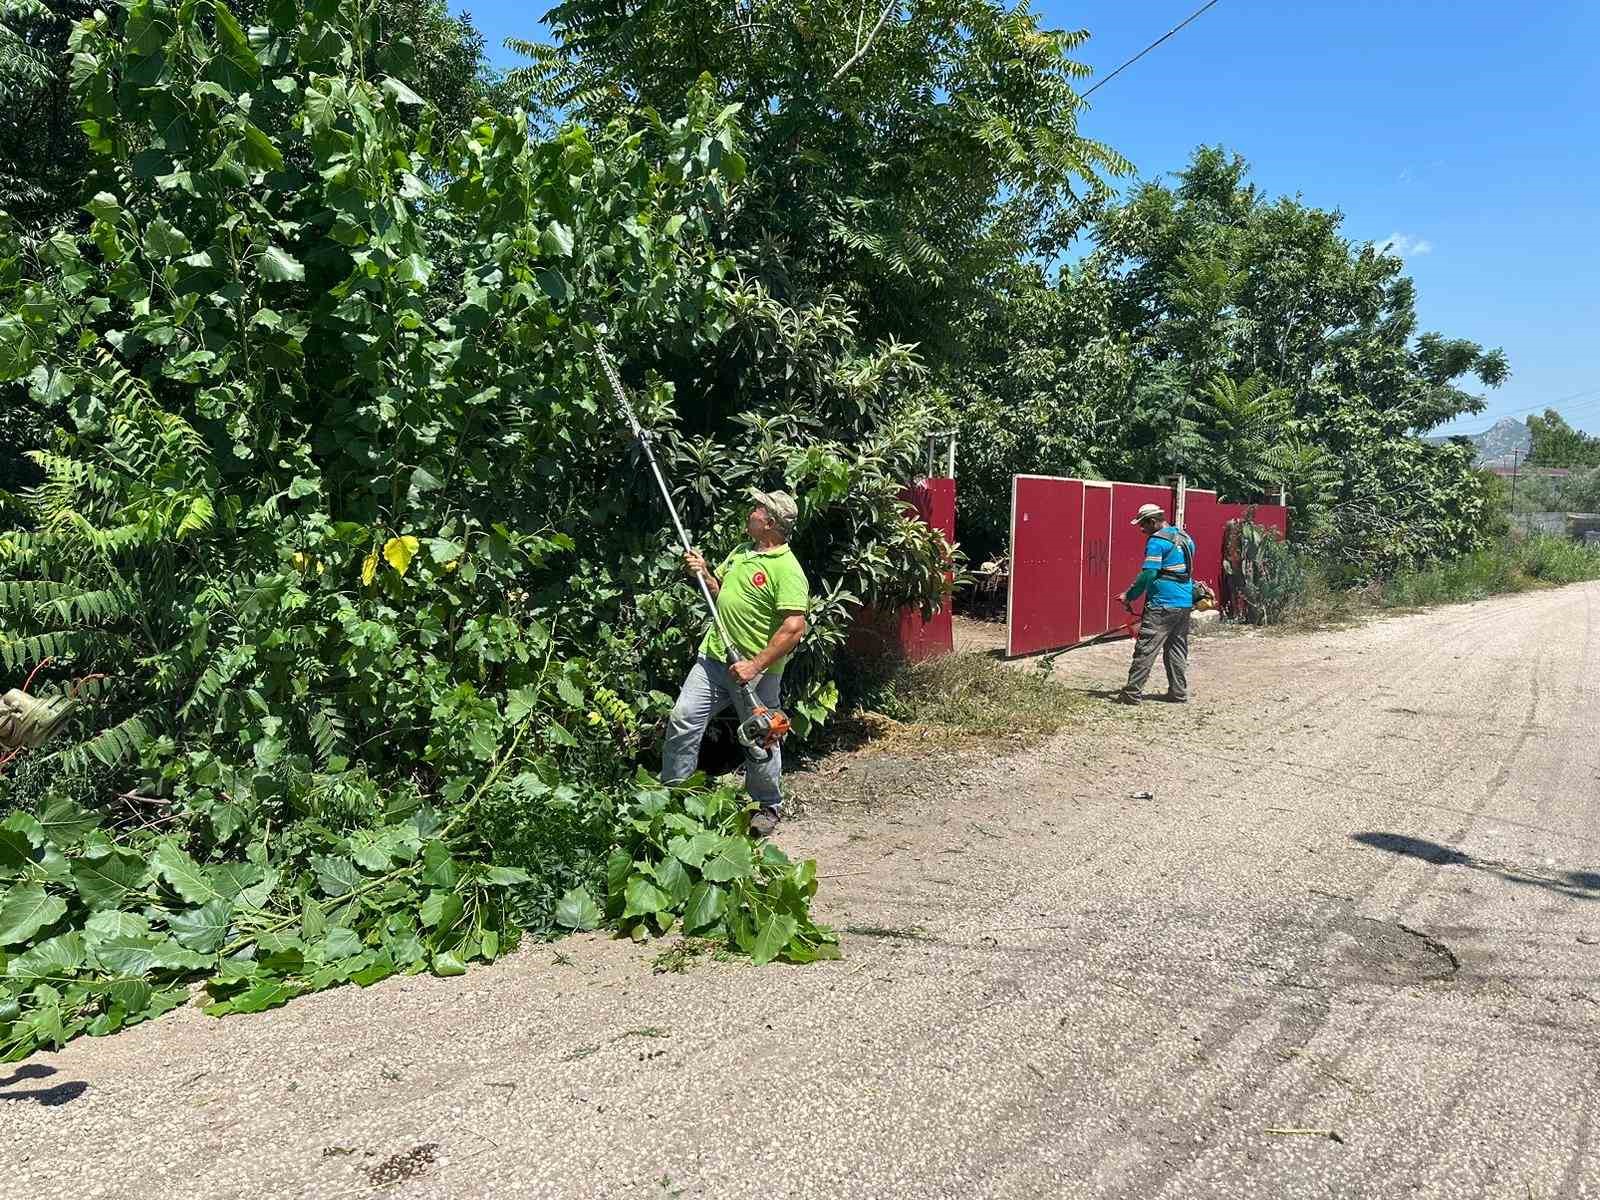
{"type": "Point", "coordinates": [759, 579]}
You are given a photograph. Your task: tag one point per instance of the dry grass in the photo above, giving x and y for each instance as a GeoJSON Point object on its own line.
{"type": "Point", "coordinates": [978, 695]}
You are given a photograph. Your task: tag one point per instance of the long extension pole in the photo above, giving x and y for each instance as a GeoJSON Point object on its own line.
{"type": "Point", "coordinates": [760, 728]}
{"type": "Point", "coordinates": [642, 436]}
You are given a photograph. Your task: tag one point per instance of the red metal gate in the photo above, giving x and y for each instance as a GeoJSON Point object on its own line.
{"type": "Point", "coordinates": [1046, 545]}
{"type": "Point", "coordinates": [1074, 551]}
{"type": "Point", "coordinates": [1095, 588]}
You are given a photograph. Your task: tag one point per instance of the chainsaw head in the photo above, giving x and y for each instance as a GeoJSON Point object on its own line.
{"type": "Point", "coordinates": [764, 728]}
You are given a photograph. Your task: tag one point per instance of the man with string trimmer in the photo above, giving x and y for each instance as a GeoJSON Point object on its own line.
{"type": "Point", "coordinates": [757, 602]}
{"type": "Point", "coordinates": [762, 595]}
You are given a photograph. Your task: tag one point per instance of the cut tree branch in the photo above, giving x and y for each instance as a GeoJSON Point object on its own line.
{"type": "Point", "coordinates": [867, 45]}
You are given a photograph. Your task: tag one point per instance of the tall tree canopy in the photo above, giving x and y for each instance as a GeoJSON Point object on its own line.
{"type": "Point", "coordinates": [904, 156]}
{"type": "Point", "coordinates": [1244, 341]}
{"type": "Point", "coordinates": [1557, 444]}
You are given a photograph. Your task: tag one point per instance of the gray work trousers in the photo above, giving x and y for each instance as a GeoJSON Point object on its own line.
{"type": "Point", "coordinates": [1163, 631]}
{"type": "Point", "coordinates": [706, 692]}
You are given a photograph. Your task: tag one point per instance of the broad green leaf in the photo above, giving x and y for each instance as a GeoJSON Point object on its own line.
{"type": "Point", "coordinates": [162, 240]}
{"type": "Point", "coordinates": [279, 266]}
{"type": "Point", "coordinates": [556, 240]}
{"type": "Point", "coordinates": [26, 910]}
{"type": "Point", "coordinates": [569, 692]}
{"type": "Point", "coordinates": [233, 43]}
{"type": "Point", "coordinates": [519, 703]}
{"type": "Point", "coordinates": [447, 963]}
{"type": "Point", "coordinates": [692, 851]}
{"type": "Point", "coordinates": [704, 907]}
{"type": "Point", "coordinates": [401, 93]}
{"type": "Point", "coordinates": [111, 923]}
{"type": "Point", "coordinates": [107, 880]}
{"type": "Point", "coordinates": [268, 993]}
{"type": "Point", "coordinates": [313, 920]}
{"type": "Point", "coordinates": [16, 851]}
{"type": "Point", "coordinates": [645, 898]}
{"type": "Point", "coordinates": [140, 956]}
{"type": "Point", "coordinates": [399, 551]}
{"type": "Point", "coordinates": [505, 876]}
{"type": "Point", "coordinates": [340, 942]}
{"type": "Point", "coordinates": [730, 860]}
{"type": "Point", "coordinates": [185, 876]}
{"type": "Point", "coordinates": [64, 822]}
{"type": "Point", "coordinates": [772, 936]}
{"type": "Point", "coordinates": [131, 993]}
{"type": "Point", "coordinates": [440, 910]}
{"type": "Point", "coordinates": [674, 880]}
{"type": "Point", "coordinates": [577, 910]}
{"type": "Point", "coordinates": [382, 968]}
{"type": "Point", "coordinates": [247, 884]}
{"type": "Point", "coordinates": [260, 153]}
{"type": "Point", "coordinates": [336, 876]}
{"type": "Point", "coordinates": [439, 867]}
{"type": "Point", "coordinates": [443, 550]}
{"type": "Point", "coordinates": [52, 959]}
{"type": "Point", "coordinates": [204, 928]}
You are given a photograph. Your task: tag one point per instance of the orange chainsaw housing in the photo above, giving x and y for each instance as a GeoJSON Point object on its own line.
{"type": "Point", "coordinates": [777, 726]}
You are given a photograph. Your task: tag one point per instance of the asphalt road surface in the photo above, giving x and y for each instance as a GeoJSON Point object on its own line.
{"type": "Point", "coordinates": [1350, 946]}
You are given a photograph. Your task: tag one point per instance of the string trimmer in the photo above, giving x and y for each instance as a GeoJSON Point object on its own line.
{"type": "Point", "coordinates": [760, 728]}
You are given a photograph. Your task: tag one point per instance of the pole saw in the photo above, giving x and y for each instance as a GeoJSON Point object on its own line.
{"type": "Point", "coordinates": [760, 728]}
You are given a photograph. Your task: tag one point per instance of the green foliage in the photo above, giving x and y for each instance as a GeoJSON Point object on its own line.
{"type": "Point", "coordinates": [333, 532]}
{"type": "Point", "coordinates": [1245, 343]}
{"type": "Point", "coordinates": [899, 156]}
{"type": "Point", "coordinates": [1515, 566]}
{"type": "Point", "coordinates": [686, 863]}
{"type": "Point", "coordinates": [1314, 596]}
{"type": "Point", "coordinates": [1557, 444]}
{"type": "Point", "coordinates": [1266, 577]}
{"type": "Point", "coordinates": [97, 933]}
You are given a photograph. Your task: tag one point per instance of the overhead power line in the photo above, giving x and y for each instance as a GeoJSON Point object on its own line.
{"type": "Point", "coordinates": [1556, 404]}
{"type": "Point", "coordinates": [1197, 12]}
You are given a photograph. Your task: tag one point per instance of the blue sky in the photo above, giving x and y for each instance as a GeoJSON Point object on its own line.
{"type": "Point", "coordinates": [1467, 130]}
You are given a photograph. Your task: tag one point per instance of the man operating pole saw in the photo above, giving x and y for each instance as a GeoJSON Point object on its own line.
{"type": "Point", "coordinates": [1166, 581]}
{"type": "Point", "coordinates": [762, 597]}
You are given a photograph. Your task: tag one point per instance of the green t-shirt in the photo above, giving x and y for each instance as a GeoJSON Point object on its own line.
{"type": "Point", "coordinates": [757, 585]}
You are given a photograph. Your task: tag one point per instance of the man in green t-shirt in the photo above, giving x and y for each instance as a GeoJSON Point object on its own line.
{"type": "Point", "coordinates": [762, 596]}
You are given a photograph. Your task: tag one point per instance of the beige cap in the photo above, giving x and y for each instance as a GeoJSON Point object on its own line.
{"type": "Point", "coordinates": [780, 506]}
{"type": "Point", "coordinates": [1146, 511]}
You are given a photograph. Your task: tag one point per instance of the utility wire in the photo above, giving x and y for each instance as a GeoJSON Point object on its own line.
{"type": "Point", "coordinates": [1147, 49]}
{"type": "Point", "coordinates": [1556, 403]}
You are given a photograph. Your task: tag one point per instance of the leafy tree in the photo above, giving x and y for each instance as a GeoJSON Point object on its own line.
{"type": "Point", "coordinates": [1557, 444]}
{"type": "Point", "coordinates": [1261, 346]}
{"type": "Point", "coordinates": [904, 156]}
{"type": "Point", "coordinates": [336, 538]}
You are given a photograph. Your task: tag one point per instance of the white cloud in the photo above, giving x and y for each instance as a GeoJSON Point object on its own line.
{"type": "Point", "coordinates": [1403, 245]}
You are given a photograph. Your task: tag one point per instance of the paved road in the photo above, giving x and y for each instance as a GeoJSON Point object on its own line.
{"type": "Point", "coordinates": [1365, 899]}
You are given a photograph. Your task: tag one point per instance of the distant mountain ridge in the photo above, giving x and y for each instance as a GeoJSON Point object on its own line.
{"type": "Point", "coordinates": [1497, 444]}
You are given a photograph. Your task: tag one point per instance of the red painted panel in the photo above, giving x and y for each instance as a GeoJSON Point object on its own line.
{"type": "Point", "coordinates": [935, 502]}
{"type": "Point", "coordinates": [1096, 582]}
{"type": "Point", "coordinates": [1273, 516]}
{"type": "Point", "coordinates": [1127, 540]}
{"type": "Point", "coordinates": [1202, 520]}
{"type": "Point", "coordinates": [1046, 550]}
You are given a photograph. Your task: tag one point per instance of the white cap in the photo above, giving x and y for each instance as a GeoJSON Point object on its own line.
{"type": "Point", "coordinates": [1146, 511]}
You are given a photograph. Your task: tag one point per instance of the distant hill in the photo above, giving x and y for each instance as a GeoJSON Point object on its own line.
{"type": "Point", "coordinates": [1497, 444]}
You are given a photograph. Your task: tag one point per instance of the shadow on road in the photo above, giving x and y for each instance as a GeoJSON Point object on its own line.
{"type": "Point", "coordinates": [61, 1093]}
{"type": "Point", "coordinates": [1581, 885]}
